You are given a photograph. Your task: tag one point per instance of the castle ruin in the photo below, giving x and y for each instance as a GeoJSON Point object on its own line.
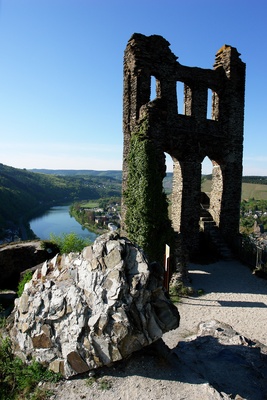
{"type": "Point", "coordinates": [188, 134]}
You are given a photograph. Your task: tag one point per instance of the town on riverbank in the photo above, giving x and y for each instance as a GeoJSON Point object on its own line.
{"type": "Point", "coordinates": [98, 215]}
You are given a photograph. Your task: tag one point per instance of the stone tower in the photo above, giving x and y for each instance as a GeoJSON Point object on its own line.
{"type": "Point", "coordinates": [190, 136]}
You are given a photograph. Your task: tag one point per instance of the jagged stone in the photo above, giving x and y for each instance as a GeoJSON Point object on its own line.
{"type": "Point", "coordinates": [85, 310]}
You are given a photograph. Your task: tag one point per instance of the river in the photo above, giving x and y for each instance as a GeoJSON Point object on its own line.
{"type": "Point", "coordinates": [57, 220]}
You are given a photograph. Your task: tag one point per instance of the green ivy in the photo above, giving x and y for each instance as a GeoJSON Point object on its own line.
{"type": "Point", "coordinates": [146, 220]}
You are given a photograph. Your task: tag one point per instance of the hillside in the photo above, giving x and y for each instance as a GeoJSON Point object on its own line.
{"type": "Point", "coordinates": [23, 192]}
{"type": "Point", "coordinates": [73, 172]}
{"type": "Point", "coordinates": [252, 187]}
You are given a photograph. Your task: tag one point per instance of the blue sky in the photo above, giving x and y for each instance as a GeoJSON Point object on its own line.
{"type": "Point", "coordinates": [61, 73]}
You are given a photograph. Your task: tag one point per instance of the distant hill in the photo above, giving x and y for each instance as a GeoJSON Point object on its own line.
{"type": "Point", "coordinates": [109, 173]}
{"type": "Point", "coordinates": [259, 180]}
{"type": "Point", "coordinates": [23, 192]}
{"type": "Point", "coordinates": [117, 174]}
{"type": "Point", "coordinates": [252, 187]}
{"type": "Point", "coordinates": [72, 172]}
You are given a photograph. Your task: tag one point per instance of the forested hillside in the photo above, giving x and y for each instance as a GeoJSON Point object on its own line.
{"type": "Point", "coordinates": [22, 192]}
{"type": "Point", "coordinates": [259, 180]}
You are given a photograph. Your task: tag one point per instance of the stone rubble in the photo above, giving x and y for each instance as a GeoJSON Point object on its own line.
{"type": "Point", "coordinates": [85, 310]}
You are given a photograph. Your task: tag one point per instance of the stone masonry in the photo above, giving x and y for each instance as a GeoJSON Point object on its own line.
{"type": "Point", "coordinates": [190, 136]}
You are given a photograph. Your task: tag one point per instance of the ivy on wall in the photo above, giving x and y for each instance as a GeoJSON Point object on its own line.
{"type": "Point", "coordinates": [146, 220]}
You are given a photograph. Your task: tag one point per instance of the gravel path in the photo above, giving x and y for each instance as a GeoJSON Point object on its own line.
{"type": "Point", "coordinates": [232, 295]}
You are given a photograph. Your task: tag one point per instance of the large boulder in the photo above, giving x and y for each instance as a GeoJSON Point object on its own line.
{"type": "Point", "coordinates": [85, 310]}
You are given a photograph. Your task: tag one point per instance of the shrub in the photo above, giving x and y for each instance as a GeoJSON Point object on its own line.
{"type": "Point", "coordinates": [69, 242]}
{"type": "Point", "coordinates": [26, 278]}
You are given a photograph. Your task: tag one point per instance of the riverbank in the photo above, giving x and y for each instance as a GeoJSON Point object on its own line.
{"type": "Point", "coordinates": [93, 217]}
{"type": "Point", "coordinates": [58, 221]}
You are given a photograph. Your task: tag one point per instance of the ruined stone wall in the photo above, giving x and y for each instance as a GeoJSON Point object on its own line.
{"type": "Point", "coordinates": [189, 137]}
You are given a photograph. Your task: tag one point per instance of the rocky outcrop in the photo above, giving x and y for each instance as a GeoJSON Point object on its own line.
{"type": "Point", "coordinates": [83, 311]}
{"type": "Point", "coordinates": [17, 257]}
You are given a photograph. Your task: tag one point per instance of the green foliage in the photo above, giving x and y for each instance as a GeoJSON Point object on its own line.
{"type": "Point", "coordinates": [69, 242]}
{"type": "Point", "coordinates": [260, 180]}
{"type": "Point", "coordinates": [178, 290]}
{"type": "Point", "coordinates": [26, 278]}
{"type": "Point", "coordinates": [49, 246]}
{"type": "Point", "coordinates": [84, 212]}
{"type": "Point", "coordinates": [102, 383]}
{"type": "Point", "coordinates": [19, 381]}
{"type": "Point", "coordinates": [2, 317]}
{"type": "Point", "coordinates": [247, 210]}
{"type": "Point", "coordinates": [90, 381]}
{"type": "Point", "coordinates": [174, 294]}
{"type": "Point", "coordinates": [105, 202]}
{"type": "Point", "coordinates": [147, 222]}
{"type": "Point", "coordinates": [253, 205]}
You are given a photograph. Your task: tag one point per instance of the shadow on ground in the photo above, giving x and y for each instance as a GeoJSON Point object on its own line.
{"type": "Point", "coordinates": [230, 363]}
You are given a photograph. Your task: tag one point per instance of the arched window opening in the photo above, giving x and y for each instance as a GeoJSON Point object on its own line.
{"type": "Point", "coordinates": [216, 191]}
{"type": "Point", "coordinates": [167, 182]}
{"type": "Point", "coordinates": [153, 88]}
{"type": "Point", "coordinates": [206, 187]}
{"type": "Point", "coordinates": [209, 104]}
{"type": "Point", "coordinates": [175, 207]}
{"type": "Point", "coordinates": [180, 93]}
{"type": "Point", "coordinates": [206, 175]}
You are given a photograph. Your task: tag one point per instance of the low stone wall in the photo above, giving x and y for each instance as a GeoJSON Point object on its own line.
{"type": "Point", "coordinates": [17, 257]}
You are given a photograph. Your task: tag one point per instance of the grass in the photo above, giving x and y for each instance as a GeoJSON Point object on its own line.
{"type": "Point", "coordinates": [91, 204]}
{"type": "Point", "coordinates": [178, 290]}
{"type": "Point", "coordinates": [26, 278]}
{"type": "Point", "coordinates": [102, 383]}
{"type": "Point", "coordinates": [256, 191]}
{"type": "Point", "coordinates": [19, 381]}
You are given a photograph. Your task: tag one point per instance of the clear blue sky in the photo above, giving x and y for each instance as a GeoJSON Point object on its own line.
{"type": "Point", "coordinates": [61, 73]}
